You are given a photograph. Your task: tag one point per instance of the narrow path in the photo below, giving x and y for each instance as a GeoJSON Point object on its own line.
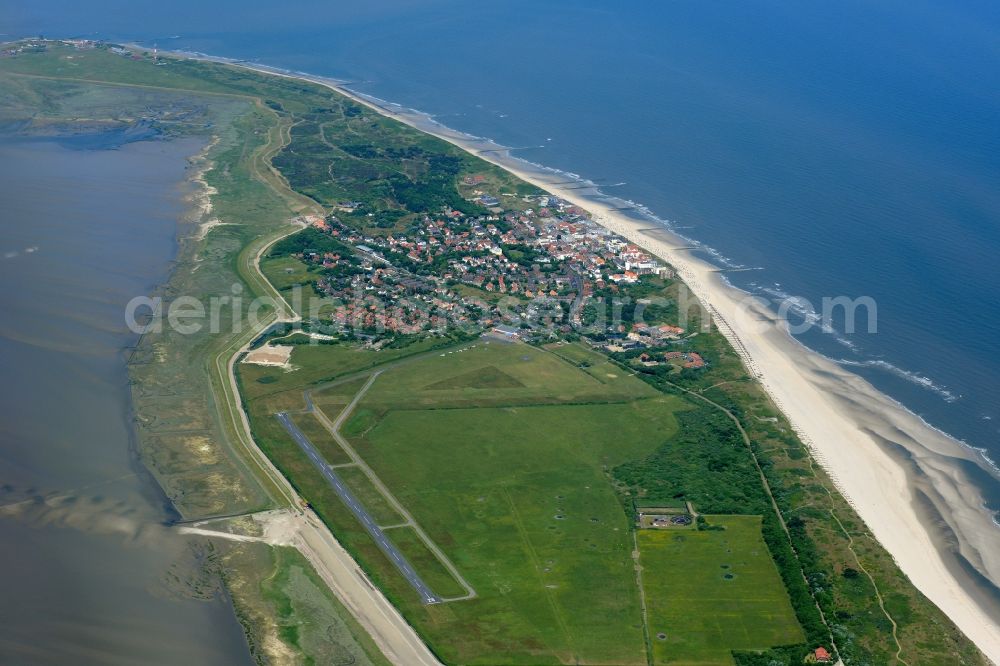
{"type": "Point", "coordinates": [857, 560]}
{"type": "Point", "coordinates": [637, 560]}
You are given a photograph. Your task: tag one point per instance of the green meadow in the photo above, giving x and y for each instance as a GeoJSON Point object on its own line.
{"type": "Point", "coordinates": [287, 272]}
{"type": "Point", "coordinates": [490, 373]}
{"type": "Point", "coordinates": [424, 561]}
{"type": "Point", "coordinates": [500, 451]}
{"type": "Point", "coordinates": [314, 365]}
{"type": "Point", "coordinates": [709, 592]}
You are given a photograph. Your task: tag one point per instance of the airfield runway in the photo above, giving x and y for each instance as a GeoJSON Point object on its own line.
{"type": "Point", "coordinates": [359, 511]}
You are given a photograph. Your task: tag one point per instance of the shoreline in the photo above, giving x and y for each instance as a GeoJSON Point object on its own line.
{"type": "Point", "coordinates": [861, 437]}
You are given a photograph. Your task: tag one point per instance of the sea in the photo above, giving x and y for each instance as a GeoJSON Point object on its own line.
{"type": "Point", "coordinates": [815, 150]}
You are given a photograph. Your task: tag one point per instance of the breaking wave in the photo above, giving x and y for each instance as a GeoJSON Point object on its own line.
{"type": "Point", "coordinates": [908, 375]}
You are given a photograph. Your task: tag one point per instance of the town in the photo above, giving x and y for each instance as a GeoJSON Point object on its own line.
{"type": "Point", "coordinates": [532, 267]}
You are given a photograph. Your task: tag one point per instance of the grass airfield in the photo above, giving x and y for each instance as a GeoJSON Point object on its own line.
{"type": "Point", "coordinates": [502, 453]}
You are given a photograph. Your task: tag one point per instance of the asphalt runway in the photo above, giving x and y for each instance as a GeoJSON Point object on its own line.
{"type": "Point", "coordinates": [359, 511]}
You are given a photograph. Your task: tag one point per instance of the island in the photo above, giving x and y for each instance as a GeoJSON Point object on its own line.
{"type": "Point", "coordinates": [416, 409]}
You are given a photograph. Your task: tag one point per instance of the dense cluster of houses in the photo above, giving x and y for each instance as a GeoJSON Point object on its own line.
{"type": "Point", "coordinates": [486, 270]}
{"type": "Point", "coordinates": [40, 45]}
{"type": "Point", "coordinates": [371, 298]}
{"type": "Point", "coordinates": [552, 249]}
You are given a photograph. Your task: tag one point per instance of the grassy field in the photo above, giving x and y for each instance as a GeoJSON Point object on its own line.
{"type": "Point", "coordinates": [593, 363]}
{"type": "Point", "coordinates": [313, 365]}
{"type": "Point", "coordinates": [494, 374]}
{"type": "Point", "coordinates": [431, 570]}
{"type": "Point", "coordinates": [321, 438]}
{"type": "Point", "coordinates": [503, 453]}
{"type": "Point", "coordinates": [710, 592]}
{"type": "Point", "coordinates": [500, 452]}
{"type": "Point", "coordinates": [287, 272]}
{"type": "Point", "coordinates": [518, 499]}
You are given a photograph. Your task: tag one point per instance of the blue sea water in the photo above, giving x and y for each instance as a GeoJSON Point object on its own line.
{"type": "Point", "coordinates": [848, 148]}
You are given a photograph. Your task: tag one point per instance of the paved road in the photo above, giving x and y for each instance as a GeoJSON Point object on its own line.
{"type": "Point", "coordinates": [359, 511]}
